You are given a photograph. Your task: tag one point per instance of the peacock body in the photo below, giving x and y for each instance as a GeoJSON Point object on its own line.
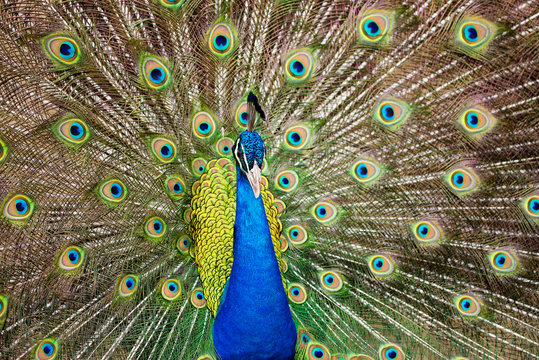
{"type": "Point", "coordinates": [288, 179]}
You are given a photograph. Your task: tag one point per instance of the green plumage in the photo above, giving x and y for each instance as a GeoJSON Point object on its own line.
{"type": "Point", "coordinates": [401, 137]}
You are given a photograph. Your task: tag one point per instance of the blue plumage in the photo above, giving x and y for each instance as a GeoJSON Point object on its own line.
{"type": "Point", "coordinates": [254, 320]}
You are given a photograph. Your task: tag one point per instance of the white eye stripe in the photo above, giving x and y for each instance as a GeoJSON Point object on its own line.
{"type": "Point", "coordinates": [237, 155]}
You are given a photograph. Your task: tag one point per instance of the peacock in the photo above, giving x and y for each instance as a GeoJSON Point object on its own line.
{"type": "Point", "coordinates": [269, 179]}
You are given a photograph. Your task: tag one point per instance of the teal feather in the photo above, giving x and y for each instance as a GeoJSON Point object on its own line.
{"type": "Point", "coordinates": [461, 77]}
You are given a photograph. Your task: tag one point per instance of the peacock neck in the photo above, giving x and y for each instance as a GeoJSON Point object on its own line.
{"type": "Point", "coordinates": [254, 319]}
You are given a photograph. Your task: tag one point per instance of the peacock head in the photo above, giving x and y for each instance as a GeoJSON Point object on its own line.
{"type": "Point", "coordinates": [249, 153]}
{"type": "Point", "coordinates": [249, 149]}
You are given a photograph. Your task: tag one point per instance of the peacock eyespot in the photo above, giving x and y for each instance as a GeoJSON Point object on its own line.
{"type": "Point", "coordinates": [46, 350]}
{"type": "Point", "coordinates": [224, 146]}
{"type": "Point", "coordinates": [468, 306]}
{"type": "Point", "coordinates": [198, 299]}
{"type": "Point", "coordinates": [299, 66]}
{"type": "Point", "coordinates": [531, 206]}
{"type": "Point", "coordinates": [318, 352]}
{"type": "Point", "coordinates": [304, 338]}
{"type": "Point", "coordinates": [361, 357]}
{"type": "Point", "coordinates": [199, 166]}
{"type": "Point", "coordinates": [203, 125]}
{"type": "Point", "coordinates": [324, 212]}
{"type": "Point", "coordinates": [366, 171]}
{"type": "Point", "coordinates": [156, 74]}
{"type": "Point", "coordinates": [426, 232]}
{"type": "Point", "coordinates": [475, 33]}
{"type": "Point", "coordinates": [242, 114]}
{"type": "Point", "coordinates": [374, 27]}
{"type": "Point", "coordinates": [286, 180]}
{"type": "Point", "coordinates": [392, 113]}
{"type": "Point", "coordinates": [331, 281]}
{"type": "Point", "coordinates": [503, 262]}
{"type": "Point", "coordinates": [163, 150]}
{"type": "Point", "coordinates": [221, 39]}
{"type": "Point", "coordinates": [62, 49]}
{"type": "Point", "coordinates": [155, 227]}
{"type": "Point", "coordinates": [391, 352]}
{"type": "Point", "coordinates": [476, 121]}
{"type": "Point", "coordinates": [297, 234]}
{"type": "Point", "coordinates": [297, 293]}
{"type": "Point", "coordinates": [171, 289]}
{"type": "Point", "coordinates": [18, 208]}
{"type": "Point", "coordinates": [462, 180]}
{"type": "Point", "coordinates": [73, 132]}
{"type": "Point", "coordinates": [128, 285]}
{"type": "Point", "coordinates": [174, 186]}
{"type": "Point", "coordinates": [113, 191]}
{"type": "Point", "coordinates": [183, 244]}
{"type": "Point", "coordinates": [297, 137]}
{"type": "Point", "coordinates": [381, 265]}
{"type": "Point", "coordinates": [71, 258]}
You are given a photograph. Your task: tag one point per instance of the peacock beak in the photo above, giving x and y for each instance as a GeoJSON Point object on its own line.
{"type": "Point", "coordinates": [255, 177]}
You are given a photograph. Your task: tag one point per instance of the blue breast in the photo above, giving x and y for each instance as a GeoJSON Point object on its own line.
{"type": "Point", "coordinates": [254, 320]}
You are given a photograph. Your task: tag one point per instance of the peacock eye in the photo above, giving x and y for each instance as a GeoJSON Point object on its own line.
{"type": "Point", "coordinates": [381, 265]}
{"type": "Point", "coordinates": [297, 293]}
{"type": "Point", "coordinates": [374, 27]}
{"type": "Point", "coordinates": [297, 137]}
{"type": "Point", "coordinates": [299, 66]}
{"type": "Point", "coordinates": [155, 227]}
{"type": "Point", "coordinates": [62, 49]}
{"type": "Point", "coordinates": [199, 166]}
{"type": "Point", "coordinates": [286, 180]}
{"type": "Point", "coordinates": [331, 281]}
{"type": "Point", "coordinates": [476, 120]}
{"type": "Point", "coordinates": [426, 232]}
{"type": "Point", "coordinates": [71, 258]}
{"type": "Point", "coordinates": [171, 289]}
{"type": "Point", "coordinates": [366, 171]}
{"type": "Point", "coordinates": [224, 146]}
{"type": "Point", "coordinates": [390, 352]}
{"type": "Point", "coordinates": [174, 186]}
{"type": "Point", "coordinates": [468, 306]}
{"type": "Point", "coordinates": [128, 285]}
{"type": "Point", "coordinates": [113, 191]}
{"type": "Point", "coordinates": [46, 350]}
{"type": "Point", "coordinates": [324, 212]}
{"type": "Point", "coordinates": [73, 132]}
{"type": "Point", "coordinates": [163, 150]}
{"type": "Point", "coordinates": [221, 39]}
{"type": "Point", "coordinates": [198, 299]}
{"type": "Point", "coordinates": [242, 114]}
{"type": "Point", "coordinates": [317, 352]}
{"type": "Point", "coordinates": [475, 33]}
{"type": "Point", "coordinates": [18, 207]}
{"type": "Point", "coordinates": [392, 113]}
{"type": "Point", "coordinates": [531, 206]}
{"type": "Point", "coordinates": [503, 262]}
{"type": "Point", "coordinates": [155, 73]}
{"type": "Point", "coordinates": [462, 180]}
{"type": "Point", "coordinates": [183, 244]}
{"type": "Point", "coordinates": [203, 125]}
{"type": "Point", "coordinates": [297, 234]}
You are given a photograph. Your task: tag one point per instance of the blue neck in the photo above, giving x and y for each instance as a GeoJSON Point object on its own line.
{"type": "Point", "coordinates": [254, 319]}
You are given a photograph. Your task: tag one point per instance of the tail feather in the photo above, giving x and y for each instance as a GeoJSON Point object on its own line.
{"type": "Point", "coordinates": [382, 180]}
